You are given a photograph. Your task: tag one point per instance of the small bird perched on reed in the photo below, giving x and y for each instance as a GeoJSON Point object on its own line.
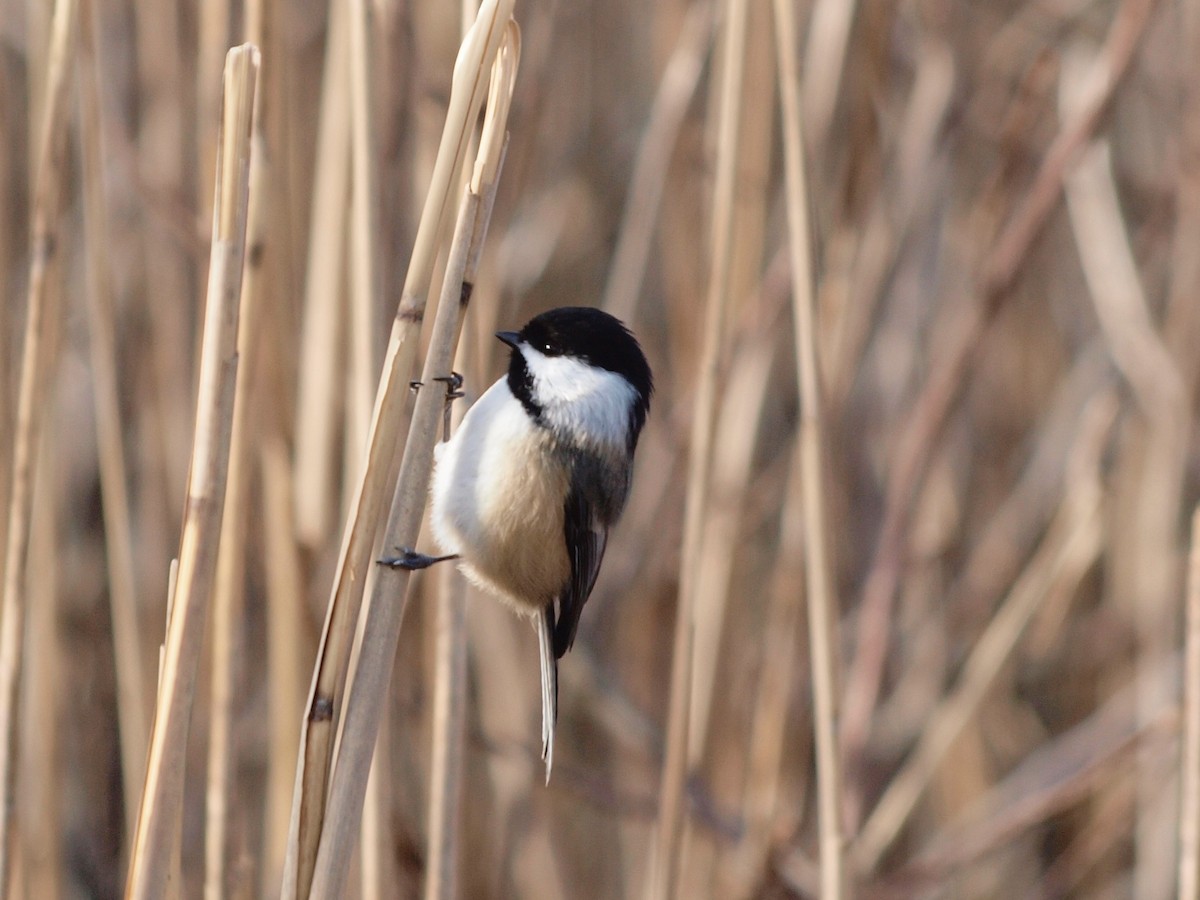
{"type": "Point", "coordinates": [526, 490]}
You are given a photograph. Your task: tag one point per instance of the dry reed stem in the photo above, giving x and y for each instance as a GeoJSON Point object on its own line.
{"type": "Point", "coordinates": [822, 602]}
{"type": "Point", "coordinates": [449, 731]}
{"type": "Point", "coordinates": [1189, 757]}
{"type": "Point", "coordinates": [931, 408]}
{"type": "Point", "coordinates": [662, 872]}
{"type": "Point", "coordinates": [384, 611]}
{"type": "Point", "coordinates": [118, 536]}
{"type": "Point", "coordinates": [325, 696]}
{"type": "Point", "coordinates": [364, 224]}
{"type": "Point", "coordinates": [365, 307]}
{"type": "Point", "coordinates": [1182, 317]}
{"type": "Point", "coordinates": [1142, 357]}
{"type": "Point", "coordinates": [769, 729]}
{"type": "Point", "coordinates": [1066, 553]}
{"type": "Point", "coordinates": [228, 598]}
{"type": "Point", "coordinates": [41, 324]}
{"type": "Point", "coordinates": [449, 714]}
{"type": "Point", "coordinates": [164, 268]}
{"type": "Point", "coordinates": [285, 617]}
{"type": "Point", "coordinates": [214, 34]}
{"type": "Point", "coordinates": [158, 818]}
{"type": "Point", "coordinates": [317, 397]}
{"type": "Point", "coordinates": [746, 389]}
{"type": "Point", "coordinates": [41, 820]}
{"type": "Point", "coordinates": [648, 178]}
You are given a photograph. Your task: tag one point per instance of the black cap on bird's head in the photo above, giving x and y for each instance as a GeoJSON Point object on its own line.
{"type": "Point", "coordinates": [591, 336]}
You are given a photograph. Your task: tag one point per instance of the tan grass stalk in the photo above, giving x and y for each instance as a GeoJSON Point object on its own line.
{"type": "Point", "coordinates": [158, 819]}
{"type": "Point", "coordinates": [822, 602]}
{"type": "Point", "coordinates": [317, 398]}
{"type": "Point", "coordinates": [1068, 550]}
{"type": "Point", "coordinates": [41, 792]}
{"type": "Point", "coordinates": [285, 648]}
{"type": "Point", "coordinates": [384, 612]}
{"type": "Point", "coordinates": [742, 877]}
{"type": "Point", "coordinates": [228, 598]}
{"type": "Point", "coordinates": [164, 264]}
{"type": "Point", "coordinates": [746, 389]}
{"type": "Point", "coordinates": [365, 308]}
{"type": "Point", "coordinates": [1158, 470]}
{"type": "Point", "coordinates": [325, 697]}
{"type": "Point", "coordinates": [118, 538]}
{"type": "Point", "coordinates": [449, 731]}
{"type": "Point", "coordinates": [41, 323]}
{"type": "Point", "coordinates": [1189, 763]}
{"type": "Point", "coordinates": [364, 222]}
{"type": "Point", "coordinates": [663, 870]}
{"type": "Point", "coordinates": [449, 714]}
{"type": "Point", "coordinates": [214, 34]}
{"type": "Point", "coordinates": [481, 46]}
{"type": "Point", "coordinates": [1182, 319]}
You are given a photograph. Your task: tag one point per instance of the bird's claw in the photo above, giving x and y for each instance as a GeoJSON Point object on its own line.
{"type": "Point", "coordinates": [412, 560]}
{"type": "Point", "coordinates": [454, 383]}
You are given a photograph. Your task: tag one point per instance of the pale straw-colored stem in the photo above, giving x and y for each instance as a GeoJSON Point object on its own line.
{"type": "Point", "coordinates": [385, 609]}
{"type": "Point", "coordinates": [323, 710]}
{"type": "Point", "coordinates": [162, 798]}
{"type": "Point", "coordinates": [41, 323]}
{"type": "Point", "coordinates": [662, 873]}
{"type": "Point", "coordinates": [118, 535]}
{"type": "Point", "coordinates": [822, 603]}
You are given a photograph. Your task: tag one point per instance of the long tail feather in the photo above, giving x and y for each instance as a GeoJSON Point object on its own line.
{"type": "Point", "coordinates": [545, 630]}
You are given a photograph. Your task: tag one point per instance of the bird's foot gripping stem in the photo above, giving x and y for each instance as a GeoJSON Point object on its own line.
{"type": "Point", "coordinates": [410, 559]}
{"type": "Point", "coordinates": [454, 383]}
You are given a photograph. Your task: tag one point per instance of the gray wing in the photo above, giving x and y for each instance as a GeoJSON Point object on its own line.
{"type": "Point", "coordinates": [586, 539]}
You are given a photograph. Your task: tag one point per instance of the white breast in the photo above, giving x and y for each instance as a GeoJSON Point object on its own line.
{"type": "Point", "coordinates": [498, 495]}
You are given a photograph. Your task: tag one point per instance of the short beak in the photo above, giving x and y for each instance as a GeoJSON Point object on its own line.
{"type": "Point", "coordinates": [509, 337]}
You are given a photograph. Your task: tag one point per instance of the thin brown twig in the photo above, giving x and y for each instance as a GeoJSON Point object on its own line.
{"type": "Point", "coordinates": [41, 324]}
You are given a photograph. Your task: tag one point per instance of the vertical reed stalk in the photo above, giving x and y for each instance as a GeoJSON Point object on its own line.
{"type": "Point", "coordinates": [385, 610]}
{"type": "Point", "coordinates": [822, 602]}
{"type": "Point", "coordinates": [1189, 757]}
{"type": "Point", "coordinates": [664, 860]}
{"type": "Point", "coordinates": [41, 324]}
{"type": "Point", "coordinates": [317, 397]}
{"type": "Point", "coordinates": [286, 613]}
{"type": "Point", "coordinates": [158, 818]}
{"type": "Point", "coordinates": [325, 696]}
{"type": "Point", "coordinates": [118, 537]}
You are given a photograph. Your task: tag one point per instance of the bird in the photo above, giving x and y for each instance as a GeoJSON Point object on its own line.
{"type": "Point", "coordinates": [524, 493]}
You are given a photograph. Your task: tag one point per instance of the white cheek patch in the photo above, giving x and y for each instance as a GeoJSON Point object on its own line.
{"type": "Point", "coordinates": [586, 401]}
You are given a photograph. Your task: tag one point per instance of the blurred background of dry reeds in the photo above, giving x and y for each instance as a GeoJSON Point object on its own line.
{"type": "Point", "coordinates": [1004, 207]}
